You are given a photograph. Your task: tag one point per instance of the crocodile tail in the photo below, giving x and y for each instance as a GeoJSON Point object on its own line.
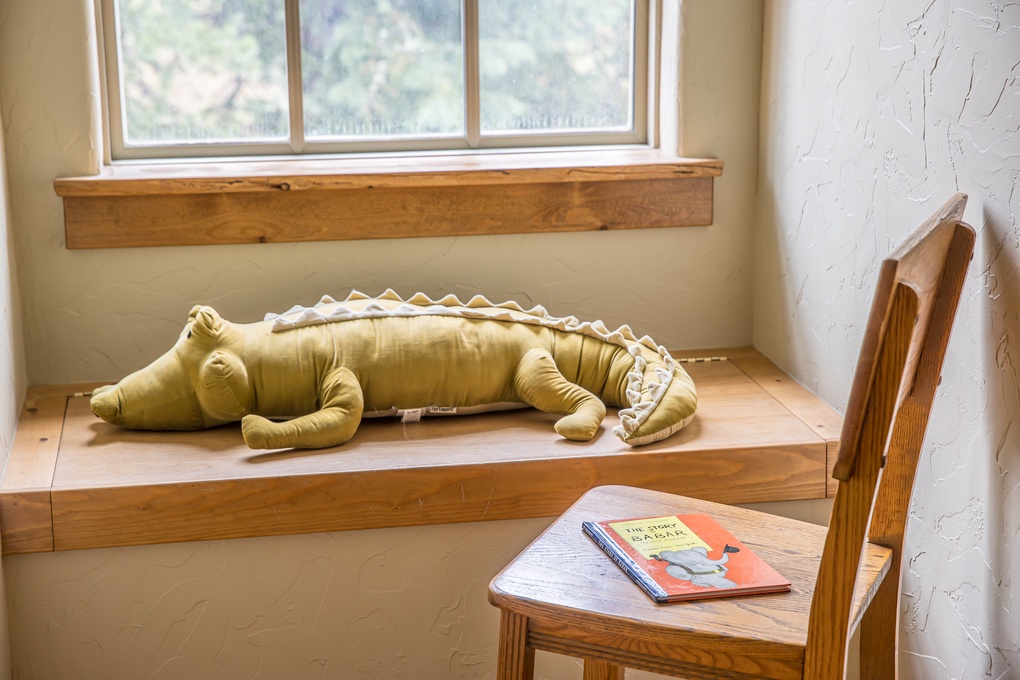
{"type": "Point", "coordinates": [661, 396]}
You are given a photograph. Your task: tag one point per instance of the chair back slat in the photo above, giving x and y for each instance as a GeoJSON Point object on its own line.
{"type": "Point", "coordinates": [880, 632]}
{"type": "Point", "coordinates": [919, 263]}
{"type": "Point", "coordinates": [901, 357]}
{"type": "Point", "coordinates": [893, 497]}
{"type": "Point", "coordinates": [829, 619]}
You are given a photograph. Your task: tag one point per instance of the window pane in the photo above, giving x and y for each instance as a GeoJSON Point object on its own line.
{"type": "Point", "coordinates": [202, 70]}
{"type": "Point", "coordinates": [382, 69]}
{"type": "Point", "coordinates": [555, 65]}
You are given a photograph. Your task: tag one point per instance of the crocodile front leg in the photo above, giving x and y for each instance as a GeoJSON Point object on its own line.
{"type": "Point", "coordinates": [333, 424]}
{"type": "Point", "coordinates": [539, 383]}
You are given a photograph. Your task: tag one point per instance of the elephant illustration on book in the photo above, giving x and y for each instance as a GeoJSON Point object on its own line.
{"type": "Point", "coordinates": [696, 566]}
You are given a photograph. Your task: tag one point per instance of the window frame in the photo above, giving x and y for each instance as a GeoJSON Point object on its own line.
{"type": "Point", "coordinates": [645, 40]}
{"type": "Point", "coordinates": [287, 199]}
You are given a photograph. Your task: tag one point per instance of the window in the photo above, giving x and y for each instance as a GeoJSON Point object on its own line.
{"type": "Point", "coordinates": [265, 77]}
{"type": "Point", "coordinates": [270, 80]}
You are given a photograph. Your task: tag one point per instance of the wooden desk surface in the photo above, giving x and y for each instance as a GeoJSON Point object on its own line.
{"type": "Point", "coordinates": [73, 481]}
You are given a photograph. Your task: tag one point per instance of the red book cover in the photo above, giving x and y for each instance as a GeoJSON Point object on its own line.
{"type": "Point", "coordinates": [684, 557]}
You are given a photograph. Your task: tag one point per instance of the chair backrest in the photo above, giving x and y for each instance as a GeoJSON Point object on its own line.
{"type": "Point", "coordinates": [894, 385]}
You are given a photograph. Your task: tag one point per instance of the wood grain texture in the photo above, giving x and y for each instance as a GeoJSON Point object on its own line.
{"type": "Point", "coordinates": [25, 510]}
{"type": "Point", "coordinates": [830, 611]}
{"type": "Point", "coordinates": [393, 197]}
{"type": "Point", "coordinates": [920, 261]}
{"type": "Point", "coordinates": [119, 487]}
{"type": "Point", "coordinates": [396, 171]}
{"type": "Point", "coordinates": [516, 659]}
{"type": "Point", "coordinates": [600, 670]}
{"type": "Point", "coordinates": [821, 418]}
{"type": "Point", "coordinates": [577, 601]}
{"type": "Point", "coordinates": [26, 521]}
{"type": "Point", "coordinates": [824, 420]}
{"type": "Point", "coordinates": [889, 518]}
{"type": "Point", "coordinates": [383, 212]}
{"type": "Point", "coordinates": [33, 457]}
{"type": "Point", "coordinates": [890, 403]}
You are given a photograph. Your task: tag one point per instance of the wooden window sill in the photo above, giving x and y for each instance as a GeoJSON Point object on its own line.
{"type": "Point", "coordinates": [73, 481]}
{"type": "Point", "coordinates": [172, 204]}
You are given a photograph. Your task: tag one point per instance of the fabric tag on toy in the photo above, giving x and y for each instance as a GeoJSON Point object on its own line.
{"type": "Point", "coordinates": [441, 410]}
{"type": "Point", "coordinates": [411, 415]}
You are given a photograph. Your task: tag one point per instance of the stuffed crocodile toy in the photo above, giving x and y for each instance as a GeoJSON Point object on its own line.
{"type": "Point", "coordinates": [306, 378]}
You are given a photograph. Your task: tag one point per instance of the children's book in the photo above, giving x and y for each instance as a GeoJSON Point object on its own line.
{"type": "Point", "coordinates": [684, 557]}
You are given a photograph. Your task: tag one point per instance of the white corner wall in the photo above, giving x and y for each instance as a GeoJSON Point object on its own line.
{"type": "Point", "coordinates": [873, 114]}
{"type": "Point", "coordinates": [398, 603]}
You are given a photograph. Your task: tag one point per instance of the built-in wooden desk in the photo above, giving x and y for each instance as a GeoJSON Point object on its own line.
{"type": "Point", "coordinates": [73, 481]}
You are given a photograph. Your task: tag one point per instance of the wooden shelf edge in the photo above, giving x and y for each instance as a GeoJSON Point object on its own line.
{"type": "Point", "coordinates": [238, 176]}
{"type": "Point", "coordinates": [415, 496]}
{"type": "Point", "coordinates": [824, 420]}
{"type": "Point", "coordinates": [26, 513]}
{"type": "Point", "coordinates": [237, 202]}
{"type": "Point", "coordinates": [176, 219]}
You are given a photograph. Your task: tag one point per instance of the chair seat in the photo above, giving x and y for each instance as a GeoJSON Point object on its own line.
{"type": "Point", "coordinates": [577, 601]}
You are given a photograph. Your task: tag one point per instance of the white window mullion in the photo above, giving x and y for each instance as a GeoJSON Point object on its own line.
{"type": "Point", "coordinates": [642, 55]}
{"type": "Point", "coordinates": [111, 62]}
{"type": "Point", "coordinates": [472, 86]}
{"type": "Point", "coordinates": [294, 81]}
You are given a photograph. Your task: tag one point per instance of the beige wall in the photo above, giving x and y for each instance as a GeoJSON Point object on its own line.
{"type": "Point", "coordinates": [396, 603]}
{"type": "Point", "coordinates": [872, 115]}
{"type": "Point", "coordinates": [12, 363]}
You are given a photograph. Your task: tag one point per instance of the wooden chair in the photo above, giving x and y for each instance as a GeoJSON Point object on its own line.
{"type": "Point", "coordinates": [562, 594]}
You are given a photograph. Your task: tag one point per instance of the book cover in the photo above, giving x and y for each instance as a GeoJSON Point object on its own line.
{"type": "Point", "coordinates": [684, 557]}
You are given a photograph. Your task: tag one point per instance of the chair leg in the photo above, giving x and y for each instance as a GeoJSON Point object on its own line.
{"type": "Point", "coordinates": [600, 670]}
{"type": "Point", "coordinates": [516, 661]}
{"type": "Point", "coordinates": [879, 630]}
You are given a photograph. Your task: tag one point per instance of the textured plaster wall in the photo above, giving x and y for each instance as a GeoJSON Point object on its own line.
{"type": "Point", "coordinates": [399, 603]}
{"type": "Point", "coordinates": [12, 364]}
{"type": "Point", "coordinates": [873, 114]}
{"type": "Point", "coordinates": [402, 603]}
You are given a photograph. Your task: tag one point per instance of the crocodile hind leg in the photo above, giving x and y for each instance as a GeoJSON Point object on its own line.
{"type": "Point", "coordinates": [539, 383]}
{"type": "Point", "coordinates": [333, 424]}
